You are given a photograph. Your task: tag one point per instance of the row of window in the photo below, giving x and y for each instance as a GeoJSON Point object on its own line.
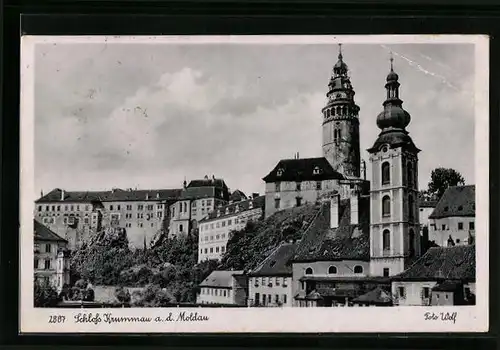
{"type": "Point", "coordinates": [277, 202]}
{"type": "Point", "coordinates": [139, 224]}
{"type": "Point", "coordinates": [59, 207]}
{"type": "Point", "coordinates": [460, 226]}
{"type": "Point", "coordinates": [270, 281]}
{"type": "Point", "coordinates": [298, 186]}
{"type": "Point", "coordinates": [332, 270]}
{"type": "Point", "coordinates": [149, 207]}
{"type": "Point", "coordinates": [316, 171]}
{"type": "Point", "coordinates": [221, 249]}
{"type": "Point", "coordinates": [218, 224]}
{"type": "Point", "coordinates": [267, 299]}
{"type": "Point", "coordinates": [217, 237]}
{"type": "Point", "coordinates": [47, 247]}
{"type": "Point", "coordinates": [216, 292]}
{"type": "Point", "coordinates": [47, 264]}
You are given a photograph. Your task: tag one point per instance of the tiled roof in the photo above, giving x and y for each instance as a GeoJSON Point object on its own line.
{"type": "Point", "coordinates": [43, 233]}
{"type": "Point", "coordinates": [237, 196]}
{"type": "Point", "coordinates": [340, 278]}
{"type": "Point", "coordinates": [220, 279]}
{"type": "Point", "coordinates": [117, 195]}
{"type": "Point", "coordinates": [427, 204]}
{"type": "Point", "coordinates": [375, 296]}
{"type": "Point", "coordinates": [277, 263]}
{"type": "Point", "coordinates": [347, 242]}
{"type": "Point", "coordinates": [303, 170]}
{"type": "Point", "coordinates": [440, 263]}
{"type": "Point", "coordinates": [207, 182]}
{"type": "Point", "coordinates": [456, 201]}
{"type": "Point", "coordinates": [231, 208]}
{"type": "Point", "coordinates": [447, 286]}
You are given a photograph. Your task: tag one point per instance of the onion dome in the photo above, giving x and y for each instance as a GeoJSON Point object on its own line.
{"type": "Point", "coordinates": [393, 117]}
{"type": "Point", "coordinates": [392, 76]}
{"type": "Point", "coordinates": [340, 68]}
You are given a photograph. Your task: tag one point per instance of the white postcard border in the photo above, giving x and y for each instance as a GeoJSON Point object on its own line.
{"type": "Point", "coordinates": [229, 320]}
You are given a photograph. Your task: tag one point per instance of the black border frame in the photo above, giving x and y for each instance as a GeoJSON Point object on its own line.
{"type": "Point", "coordinates": [274, 17]}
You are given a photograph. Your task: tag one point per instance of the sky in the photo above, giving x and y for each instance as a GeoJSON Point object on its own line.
{"type": "Point", "coordinates": [115, 115]}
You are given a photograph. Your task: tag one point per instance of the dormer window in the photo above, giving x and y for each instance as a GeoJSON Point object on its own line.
{"type": "Point", "coordinates": [280, 172]}
{"type": "Point", "coordinates": [316, 170]}
{"type": "Point", "coordinates": [227, 211]}
{"type": "Point", "coordinates": [218, 213]}
{"type": "Point", "coordinates": [250, 205]}
{"type": "Point", "coordinates": [237, 209]}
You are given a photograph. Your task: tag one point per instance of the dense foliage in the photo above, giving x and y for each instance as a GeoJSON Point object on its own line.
{"type": "Point", "coordinates": [250, 246]}
{"type": "Point", "coordinates": [169, 271]}
{"type": "Point", "coordinates": [45, 295]}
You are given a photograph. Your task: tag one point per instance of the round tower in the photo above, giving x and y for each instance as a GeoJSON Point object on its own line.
{"type": "Point", "coordinates": [341, 123]}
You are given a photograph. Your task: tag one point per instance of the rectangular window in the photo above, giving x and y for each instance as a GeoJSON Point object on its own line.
{"type": "Point", "coordinates": [460, 225]}
{"type": "Point", "coordinates": [36, 263]}
{"type": "Point", "coordinates": [53, 208]}
{"type": "Point", "coordinates": [118, 207]}
{"type": "Point", "coordinates": [65, 208]}
{"type": "Point", "coordinates": [277, 298]}
{"type": "Point", "coordinates": [140, 207]}
{"type": "Point", "coordinates": [277, 187]}
{"type": "Point", "coordinates": [58, 208]}
{"type": "Point", "coordinates": [263, 299]}
{"type": "Point", "coordinates": [209, 202]}
{"type": "Point", "coordinates": [276, 203]}
{"type": "Point", "coordinates": [181, 228]}
{"type": "Point", "coordinates": [426, 292]}
{"type": "Point", "coordinates": [72, 208]}
{"type": "Point", "coordinates": [47, 248]}
{"type": "Point", "coordinates": [129, 207]}
{"type": "Point", "coordinates": [223, 223]}
{"type": "Point", "coordinates": [211, 226]}
{"type": "Point", "coordinates": [141, 224]}
{"type": "Point", "coordinates": [284, 298]}
{"type": "Point", "coordinates": [298, 186]}
{"type": "Point", "coordinates": [111, 207]}
{"type": "Point", "coordinates": [206, 250]}
{"type": "Point", "coordinates": [39, 208]}
{"type": "Point", "coordinates": [150, 207]}
{"type": "Point", "coordinates": [471, 225]}
{"type": "Point", "coordinates": [216, 249]}
{"type": "Point", "coordinates": [229, 222]}
{"type": "Point", "coordinates": [318, 185]}
{"type": "Point", "coordinates": [386, 272]}
{"type": "Point", "coordinates": [298, 201]}
{"type": "Point", "coordinates": [257, 299]}
{"type": "Point", "coordinates": [443, 227]}
{"type": "Point", "coordinates": [223, 249]}
{"type": "Point", "coordinates": [211, 250]}
{"type": "Point", "coordinates": [269, 298]}
{"type": "Point", "coordinates": [47, 264]}
{"type": "Point", "coordinates": [401, 292]}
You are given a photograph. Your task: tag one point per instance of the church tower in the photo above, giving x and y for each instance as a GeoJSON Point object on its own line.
{"type": "Point", "coordinates": [341, 123]}
{"type": "Point", "coordinates": [394, 221]}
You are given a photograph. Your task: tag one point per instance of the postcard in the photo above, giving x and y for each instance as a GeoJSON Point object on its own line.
{"type": "Point", "coordinates": [207, 184]}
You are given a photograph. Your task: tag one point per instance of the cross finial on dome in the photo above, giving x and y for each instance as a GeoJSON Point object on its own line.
{"type": "Point", "coordinates": [392, 60]}
{"type": "Point", "coordinates": [340, 51]}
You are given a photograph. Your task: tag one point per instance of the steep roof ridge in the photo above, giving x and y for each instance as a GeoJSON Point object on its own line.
{"type": "Point", "coordinates": [262, 264]}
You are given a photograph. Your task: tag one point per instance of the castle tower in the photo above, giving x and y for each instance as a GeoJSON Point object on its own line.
{"type": "Point", "coordinates": [341, 123]}
{"type": "Point", "coordinates": [394, 223]}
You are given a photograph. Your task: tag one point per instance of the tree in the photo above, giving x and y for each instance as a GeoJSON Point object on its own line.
{"type": "Point", "coordinates": [122, 295]}
{"type": "Point", "coordinates": [45, 295]}
{"type": "Point", "coordinates": [441, 179]}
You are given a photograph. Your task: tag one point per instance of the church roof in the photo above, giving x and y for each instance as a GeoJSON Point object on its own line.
{"type": "Point", "coordinates": [305, 169]}
{"type": "Point", "coordinates": [277, 263]}
{"type": "Point", "coordinates": [347, 242]}
{"type": "Point", "coordinates": [43, 233]}
{"type": "Point", "coordinates": [456, 201]}
{"type": "Point", "coordinates": [394, 138]}
{"type": "Point", "coordinates": [443, 263]}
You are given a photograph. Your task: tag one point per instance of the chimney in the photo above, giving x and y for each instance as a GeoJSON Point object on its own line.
{"type": "Point", "coordinates": [41, 193]}
{"type": "Point", "coordinates": [62, 195]}
{"type": "Point", "coordinates": [298, 155]}
{"type": "Point", "coordinates": [334, 211]}
{"type": "Point", "coordinates": [157, 195]}
{"type": "Point", "coordinates": [354, 207]}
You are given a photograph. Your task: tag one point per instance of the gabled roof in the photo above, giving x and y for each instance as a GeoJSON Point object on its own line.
{"type": "Point", "coordinates": [237, 196]}
{"type": "Point", "coordinates": [277, 263]}
{"type": "Point", "coordinates": [115, 195]}
{"type": "Point", "coordinates": [230, 209]}
{"type": "Point", "coordinates": [456, 201]}
{"type": "Point", "coordinates": [43, 233]}
{"type": "Point", "coordinates": [376, 296]}
{"type": "Point", "coordinates": [347, 242]}
{"type": "Point", "coordinates": [306, 169]}
{"type": "Point", "coordinates": [207, 182]}
{"type": "Point", "coordinates": [441, 263]}
{"type": "Point", "coordinates": [218, 278]}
